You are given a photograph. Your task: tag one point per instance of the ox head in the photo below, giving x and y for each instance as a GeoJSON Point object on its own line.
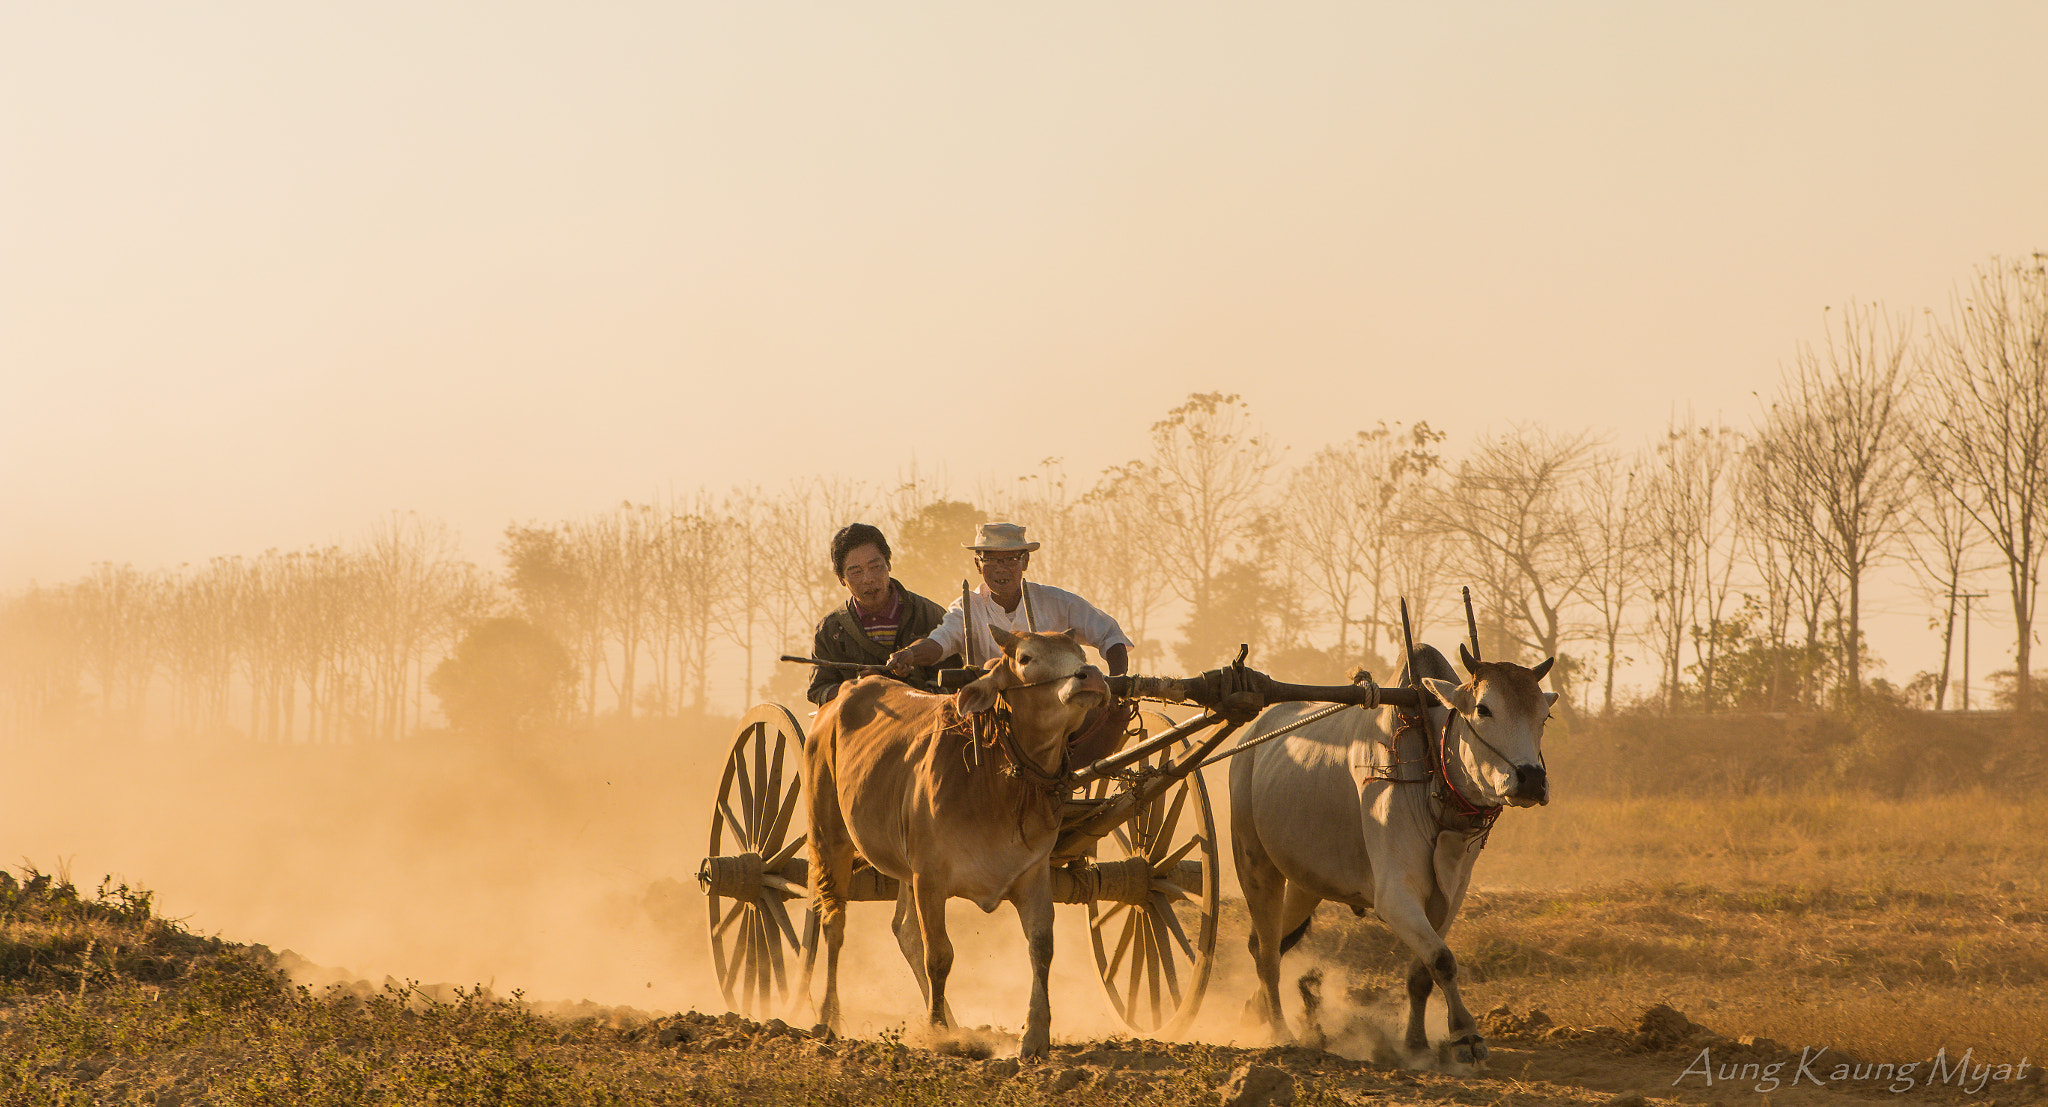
{"type": "Point", "coordinates": [1504, 706]}
{"type": "Point", "coordinates": [1043, 675]}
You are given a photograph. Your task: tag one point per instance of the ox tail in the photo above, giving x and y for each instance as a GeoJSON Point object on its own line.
{"type": "Point", "coordinates": [831, 900]}
{"type": "Point", "coordinates": [828, 896]}
{"type": "Point", "coordinates": [1294, 938]}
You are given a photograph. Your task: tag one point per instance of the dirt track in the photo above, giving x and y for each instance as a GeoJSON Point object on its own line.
{"type": "Point", "coordinates": [1665, 1057]}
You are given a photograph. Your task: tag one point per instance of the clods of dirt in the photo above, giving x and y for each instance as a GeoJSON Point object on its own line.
{"type": "Point", "coordinates": [1257, 1086]}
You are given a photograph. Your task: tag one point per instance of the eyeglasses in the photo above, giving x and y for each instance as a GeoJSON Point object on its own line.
{"type": "Point", "coordinates": [1005, 560]}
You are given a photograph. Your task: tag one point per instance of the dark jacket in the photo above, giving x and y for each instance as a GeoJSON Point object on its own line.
{"type": "Point", "coordinates": [840, 638]}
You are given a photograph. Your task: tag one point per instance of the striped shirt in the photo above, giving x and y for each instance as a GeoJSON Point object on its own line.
{"type": "Point", "coordinates": [881, 625]}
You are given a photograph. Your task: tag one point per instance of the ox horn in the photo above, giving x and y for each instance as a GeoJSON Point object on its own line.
{"type": "Point", "coordinates": [1466, 659]}
{"type": "Point", "coordinates": [1543, 668]}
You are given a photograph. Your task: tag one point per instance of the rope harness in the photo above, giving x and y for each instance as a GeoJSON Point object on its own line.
{"type": "Point", "coordinates": [1452, 810]}
{"type": "Point", "coordinates": [991, 730]}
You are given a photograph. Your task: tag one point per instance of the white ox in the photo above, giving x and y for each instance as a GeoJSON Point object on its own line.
{"type": "Point", "coordinates": [1347, 809]}
{"type": "Point", "coordinates": [892, 776]}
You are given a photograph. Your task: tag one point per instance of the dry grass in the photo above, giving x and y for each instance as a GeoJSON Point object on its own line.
{"type": "Point", "coordinates": [1886, 929]}
{"type": "Point", "coordinates": [1967, 841]}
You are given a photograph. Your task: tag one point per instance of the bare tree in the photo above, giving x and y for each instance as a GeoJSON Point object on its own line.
{"type": "Point", "coordinates": [1093, 542]}
{"type": "Point", "coordinates": [1608, 543]}
{"type": "Point", "coordinates": [1943, 542]}
{"type": "Point", "coordinates": [1988, 402]}
{"type": "Point", "coordinates": [1687, 511]}
{"type": "Point", "coordinates": [117, 607]}
{"type": "Point", "coordinates": [1511, 511]}
{"type": "Point", "coordinates": [1343, 523]}
{"type": "Point", "coordinates": [1834, 442]}
{"type": "Point", "coordinates": [407, 584]}
{"type": "Point", "coordinates": [697, 553]}
{"type": "Point", "coordinates": [203, 644]}
{"type": "Point", "coordinates": [1200, 488]}
{"type": "Point", "coordinates": [624, 550]}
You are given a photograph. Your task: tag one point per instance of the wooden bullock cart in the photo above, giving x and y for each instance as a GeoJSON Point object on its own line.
{"type": "Point", "coordinates": [1138, 847]}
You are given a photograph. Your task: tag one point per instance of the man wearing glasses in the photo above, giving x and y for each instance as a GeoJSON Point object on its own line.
{"type": "Point", "coordinates": [1006, 600]}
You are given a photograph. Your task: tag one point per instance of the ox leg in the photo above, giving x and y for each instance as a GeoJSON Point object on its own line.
{"type": "Point", "coordinates": [1435, 966]}
{"type": "Point", "coordinates": [910, 939]}
{"type": "Point", "coordinates": [831, 849]}
{"type": "Point", "coordinates": [1278, 911]}
{"type": "Point", "coordinates": [1033, 897]}
{"type": "Point", "coordinates": [930, 902]}
{"type": "Point", "coordinates": [1420, 984]}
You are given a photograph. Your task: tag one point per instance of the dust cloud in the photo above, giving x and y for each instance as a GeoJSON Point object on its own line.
{"type": "Point", "coordinates": [563, 868]}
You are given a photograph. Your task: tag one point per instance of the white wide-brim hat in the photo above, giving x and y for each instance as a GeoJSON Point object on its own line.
{"type": "Point", "coordinates": [999, 538]}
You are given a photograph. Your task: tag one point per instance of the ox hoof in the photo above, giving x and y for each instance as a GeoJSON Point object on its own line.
{"type": "Point", "coordinates": [1035, 1048]}
{"type": "Point", "coordinates": [1468, 1050]}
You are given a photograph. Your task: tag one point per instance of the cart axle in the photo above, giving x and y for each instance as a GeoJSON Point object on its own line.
{"type": "Point", "coordinates": [1132, 880]}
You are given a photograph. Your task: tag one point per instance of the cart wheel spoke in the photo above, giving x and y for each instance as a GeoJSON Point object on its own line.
{"type": "Point", "coordinates": [772, 979]}
{"type": "Point", "coordinates": [1134, 924]}
{"type": "Point", "coordinates": [782, 817]}
{"type": "Point", "coordinates": [758, 815]}
{"type": "Point", "coordinates": [1164, 908]}
{"type": "Point", "coordinates": [739, 832]}
{"type": "Point", "coordinates": [1162, 838]}
{"type": "Point", "coordinates": [782, 856]}
{"type": "Point", "coordinates": [780, 913]}
{"type": "Point", "coordinates": [1162, 911]}
{"type": "Point", "coordinates": [1172, 860]}
{"type": "Point", "coordinates": [1102, 918]}
{"type": "Point", "coordinates": [742, 945]}
{"type": "Point", "coordinates": [1123, 945]}
{"type": "Point", "coordinates": [1122, 840]}
{"type": "Point", "coordinates": [745, 783]}
{"type": "Point", "coordinates": [739, 908]}
{"type": "Point", "coordinates": [717, 946]}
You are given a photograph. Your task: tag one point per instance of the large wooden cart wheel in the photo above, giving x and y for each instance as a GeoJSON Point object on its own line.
{"type": "Point", "coordinates": [756, 829]}
{"type": "Point", "coordinates": [1155, 940]}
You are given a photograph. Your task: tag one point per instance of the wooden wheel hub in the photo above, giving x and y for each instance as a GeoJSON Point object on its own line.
{"type": "Point", "coordinates": [734, 877]}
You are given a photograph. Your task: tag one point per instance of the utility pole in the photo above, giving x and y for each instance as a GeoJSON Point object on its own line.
{"type": "Point", "coordinates": [1966, 597]}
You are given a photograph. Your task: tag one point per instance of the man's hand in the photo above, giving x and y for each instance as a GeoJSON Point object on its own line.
{"type": "Point", "coordinates": [924, 651]}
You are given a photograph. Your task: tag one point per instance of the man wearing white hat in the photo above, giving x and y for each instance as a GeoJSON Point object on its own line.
{"type": "Point", "coordinates": [1006, 600]}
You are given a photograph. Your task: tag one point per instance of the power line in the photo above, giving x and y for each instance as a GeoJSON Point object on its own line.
{"type": "Point", "coordinates": [1966, 597]}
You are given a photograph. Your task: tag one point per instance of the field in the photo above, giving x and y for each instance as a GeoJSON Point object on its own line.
{"type": "Point", "coordinates": [1636, 945]}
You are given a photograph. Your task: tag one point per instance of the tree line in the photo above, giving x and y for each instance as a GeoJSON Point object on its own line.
{"type": "Point", "coordinates": [1735, 562]}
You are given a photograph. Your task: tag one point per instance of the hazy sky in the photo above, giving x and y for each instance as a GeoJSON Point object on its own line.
{"type": "Point", "coordinates": [268, 272]}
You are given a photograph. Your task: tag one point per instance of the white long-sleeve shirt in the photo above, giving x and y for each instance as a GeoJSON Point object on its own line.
{"type": "Point", "coordinates": [1044, 608]}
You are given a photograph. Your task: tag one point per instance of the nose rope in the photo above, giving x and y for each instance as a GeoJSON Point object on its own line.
{"type": "Point", "coordinates": [1444, 769]}
{"type": "Point", "coordinates": [1049, 779]}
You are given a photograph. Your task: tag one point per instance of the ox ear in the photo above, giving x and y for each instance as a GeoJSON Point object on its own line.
{"type": "Point", "coordinates": [1444, 691]}
{"type": "Point", "coordinates": [980, 695]}
{"type": "Point", "coordinates": [1550, 699]}
{"type": "Point", "coordinates": [1543, 668]}
{"type": "Point", "coordinates": [1466, 659]}
{"type": "Point", "coordinates": [1004, 638]}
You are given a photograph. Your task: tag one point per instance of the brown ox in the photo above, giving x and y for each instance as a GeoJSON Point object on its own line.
{"type": "Point", "coordinates": [894, 776]}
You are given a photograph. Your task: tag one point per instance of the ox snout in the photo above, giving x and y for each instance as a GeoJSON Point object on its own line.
{"type": "Point", "coordinates": [1088, 682]}
{"type": "Point", "coordinates": [1532, 786]}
